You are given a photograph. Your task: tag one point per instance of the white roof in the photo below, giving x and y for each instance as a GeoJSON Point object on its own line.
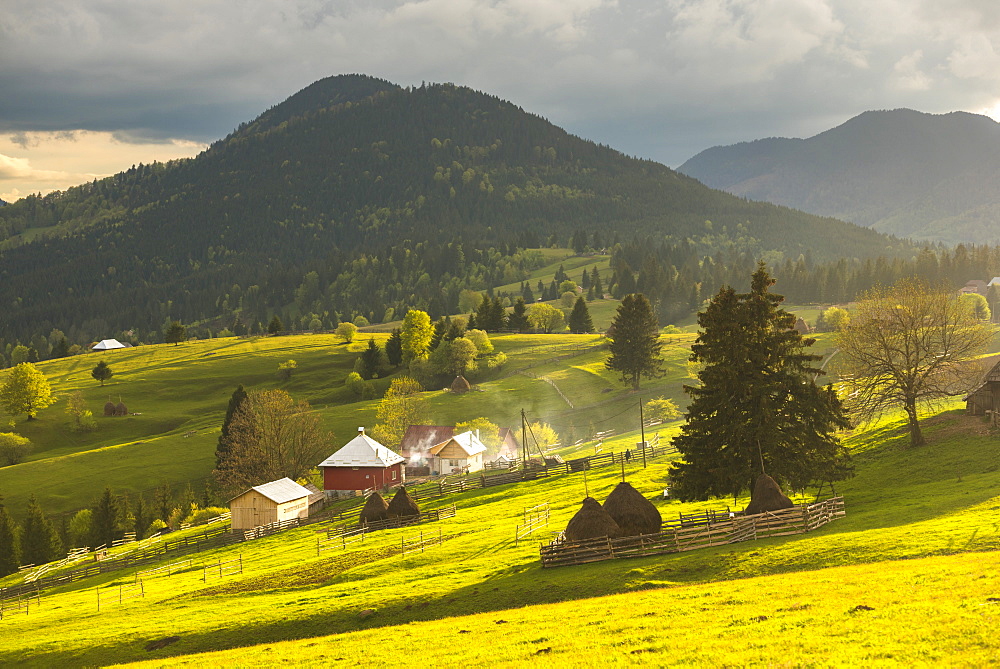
{"type": "Point", "coordinates": [468, 441]}
{"type": "Point", "coordinates": [994, 281]}
{"type": "Point", "coordinates": [362, 451]}
{"type": "Point", "coordinates": [107, 344]}
{"type": "Point", "coordinates": [280, 491]}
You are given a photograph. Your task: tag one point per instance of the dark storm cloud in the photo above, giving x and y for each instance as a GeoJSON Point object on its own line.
{"type": "Point", "coordinates": [661, 79]}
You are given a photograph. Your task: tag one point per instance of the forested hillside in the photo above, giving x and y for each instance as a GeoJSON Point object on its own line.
{"type": "Point", "coordinates": [358, 197]}
{"type": "Point", "coordinates": [924, 176]}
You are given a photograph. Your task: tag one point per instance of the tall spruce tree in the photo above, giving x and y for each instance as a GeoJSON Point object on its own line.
{"type": "Point", "coordinates": [580, 321]}
{"type": "Point", "coordinates": [10, 543]}
{"type": "Point", "coordinates": [518, 319]}
{"type": "Point", "coordinates": [394, 348]}
{"type": "Point", "coordinates": [40, 542]}
{"type": "Point", "coordinates": [371, 360]}
{"type": "Point", "coordinates": [757, 409]}
{"type": "Point", "coordinates": [235, 400]}
{"type": "Point", "coordinates": [635, 341]}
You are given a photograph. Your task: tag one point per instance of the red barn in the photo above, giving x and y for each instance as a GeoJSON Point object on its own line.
{"type": "Point", "coordinates": [362, 464]}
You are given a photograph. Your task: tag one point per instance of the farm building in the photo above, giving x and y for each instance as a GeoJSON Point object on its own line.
{"type": "Point", "coordinates": [108, 345]}
{"type": "Point", "coordinates": [461, 453]}
{"type": "Point", "coordinates": [419, 439]}
{"type": "Point", "coordinates": [362, 464]}
{"type": "Point", "coordinates": [278, 500]}
{"type": "Point", "coordinates": [985, 399]}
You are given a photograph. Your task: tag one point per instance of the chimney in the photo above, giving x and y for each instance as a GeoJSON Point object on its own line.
{"type": "Point", "coordinates": [477, 434]}
{"type": "Point", "coordinates": [361, 430]}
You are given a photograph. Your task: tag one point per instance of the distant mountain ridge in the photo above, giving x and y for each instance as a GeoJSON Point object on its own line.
{"type": "Point", "coordinates": [925, 176]}
{"type": "Point", "coordinates": [358, 197]}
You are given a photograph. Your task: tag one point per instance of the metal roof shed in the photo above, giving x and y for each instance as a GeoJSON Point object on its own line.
{"type": "Point", "coordinates": [268, 503]}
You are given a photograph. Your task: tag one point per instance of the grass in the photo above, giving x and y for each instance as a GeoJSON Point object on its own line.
{"type": "Point", "coordinates": [918, 547]}
{"type": "Point", "coordinates": [180, 394]}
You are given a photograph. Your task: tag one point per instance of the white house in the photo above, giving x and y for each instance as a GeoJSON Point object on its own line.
{"type": "Point", "coordinates": [460, 453]}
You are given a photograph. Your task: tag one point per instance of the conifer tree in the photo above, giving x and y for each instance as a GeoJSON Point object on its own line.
{"type": "Point", "coordinates": [394, 348]}
{"type": "Point", "coordinates": [579, 319]}
{"type": "Point", "coordinates": [10, 543]}
{"type": "Point", "coordinates": [235, 400]}
{"type": "Point", "coordinates": [275, 326]}
{"type": "Point", "coordinates": [175, 333]}
{"type": "Point", "coordinates": [635, 341]}
{"type": "Point", "coordinates": [371, 360]}
{"type": "Point", "coordinates": [518, 319]}
{"type": "Point", "coordinates": [40, 542]}
{"type": "Point", "coordinates": [757, 409]}
{"type": "Point", "coordinates": [102, 372]}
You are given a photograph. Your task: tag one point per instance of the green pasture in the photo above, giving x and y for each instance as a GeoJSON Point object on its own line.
{"type": "Point", "coordinates": [179, 395]}
{"type": "Point", "coordinates": [917, 548]}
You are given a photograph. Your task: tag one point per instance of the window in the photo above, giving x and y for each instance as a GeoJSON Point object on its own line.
{"type": "Point", "coordinates": [393, 474]}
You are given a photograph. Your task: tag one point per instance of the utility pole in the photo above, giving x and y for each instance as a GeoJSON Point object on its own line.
{"type": "Point", "coordinates": [642, 431]}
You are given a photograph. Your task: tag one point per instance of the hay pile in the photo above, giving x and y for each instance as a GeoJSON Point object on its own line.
{"type": "Point", "coordinates": [121, 409]}
{"type": "Point", "coordinates": [633, 513]}
{"type": "Point", "coordinates": [591, 522]}
{"type": "Point", "coordinates": [767, 496]}
{"type": "Point", "coordinates": [402, 504]}
{"type": "Point", "coordinates": [374, 509]}
{"type": "Point", "coordinates": [460, 385]}
{"type": "Point", "coordinates": [109, 408]}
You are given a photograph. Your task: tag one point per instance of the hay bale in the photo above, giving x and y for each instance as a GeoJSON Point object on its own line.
{"type": "Point", "coordinates": [591, 522]}
{"type": "Point", "coordinates": [109, 408]}
{"type": "Point", "coordinates": [402, 504]}
{"type": "Point", "coordinates": [374, 509]}
{"type": "Point", "coordinates": [767, 496]}
{"type": "Point", "coordinates": [634, 513]}
{"type": "Point", "coordinates": [460, 385]}
{"type": "Point", "coordinates": [121, 409]}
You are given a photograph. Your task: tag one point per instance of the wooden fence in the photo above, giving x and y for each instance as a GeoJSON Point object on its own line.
{"type": "Point", "coordinates": [534, 518]}
{"type": "Point", "coordinates": [391, 523]}
{"type": "Point", "coordinates": [418, 543]}
{"type": "Point", "coordinates": [679, 536]}
{"type": "Point", "coordinates": [269, 529]}
{"type": "Point", "coordinates": [119, 593]}
{"type": "Point", "coordinates": [220, 569]}
{"type": "Point", "coordinates": [20, 604]}
{"type": "Point", "coordinates": [165, 570]}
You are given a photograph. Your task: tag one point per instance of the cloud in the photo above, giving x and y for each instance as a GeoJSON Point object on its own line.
{"type": "Point", "coordinates": [21, 169]}
{"type": "Point", "coordinates": [660, 78]}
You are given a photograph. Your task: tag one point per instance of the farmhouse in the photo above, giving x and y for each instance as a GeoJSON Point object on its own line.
{"type": "Point", "coordinates": [419, 439]}
{"type": "Point", "coordinates": [362, 464]}
{"type": "Point", "coordinates": [461, 453]}
{"type": "Point", "coordinates": [275, 501]}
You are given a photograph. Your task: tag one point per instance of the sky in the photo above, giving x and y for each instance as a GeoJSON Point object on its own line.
{"type": "Point", "coordinates": [90, 87]}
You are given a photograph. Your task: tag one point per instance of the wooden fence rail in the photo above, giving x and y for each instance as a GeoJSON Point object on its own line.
{"type": "Point", "coordinates": [119, 593]}
{"type": "Point", "coordinates": [679, 536]}
{"type": "Point", "coordinates": [418, 543]}
{"type": "Point", "coordinates": [165, 570]}
{"type": "Point", "coordinates": [20, 604]}
{"type": "Point", "coordinates": [221, 569]}
{"type": "Point", "coordinates": [534, 518]}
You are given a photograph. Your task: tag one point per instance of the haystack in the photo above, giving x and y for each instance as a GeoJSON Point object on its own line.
{"type": "Point", "coordinates": [634, 513]}
{"type": "Point", "coordinates": [402, 504]}
{"type": "Point", "coordinates": [374, 509]}
{"type": "Point", "coordinates": [591, 522]}
{"type": "Point", "coordinates": [121, 409]}
{"type": "Point", "coordinates": [460, 385]}
{"type": "Point", "coordinates": [767, 496]}
{"type": "Point", "coordinates": [109, 408]}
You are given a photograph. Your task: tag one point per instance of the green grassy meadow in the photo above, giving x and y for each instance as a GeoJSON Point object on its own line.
{"type": "Point", "coordinates": [908, 577]}
{"type": "Point", "coordinates": [918, 548]}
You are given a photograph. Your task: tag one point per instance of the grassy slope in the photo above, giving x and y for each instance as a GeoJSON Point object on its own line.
{"type": "Point", "coordinates": [701, 607]}
{"type": "Point", "coordinates": [181, 393]}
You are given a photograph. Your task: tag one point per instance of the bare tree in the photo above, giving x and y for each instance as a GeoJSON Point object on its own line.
{"type": "Point", "coordinates": [909, 345]}
{"type": "Point", "coordinates": [271, 436]}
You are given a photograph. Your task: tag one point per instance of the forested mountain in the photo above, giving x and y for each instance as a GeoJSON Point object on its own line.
{"type": "Point", "coordinates": [924, 176]}
{"type": "Point", "coordinates": [358, 197]}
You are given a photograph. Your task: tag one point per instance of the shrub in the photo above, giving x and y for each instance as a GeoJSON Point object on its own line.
{"type": "Point", "coordinates": [199, 516]}
{"type": "Point", "coordinates": [155, 527]}
{"type": "Point", "coordinates": [13, 448]}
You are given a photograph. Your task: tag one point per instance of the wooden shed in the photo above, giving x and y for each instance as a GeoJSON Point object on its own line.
{"type": "Point", "coordinates": [278, 500]}
{"type": "Point", "coordinates": [460, 453]}
{"type": "Point", "coordinates": [985, 399]}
